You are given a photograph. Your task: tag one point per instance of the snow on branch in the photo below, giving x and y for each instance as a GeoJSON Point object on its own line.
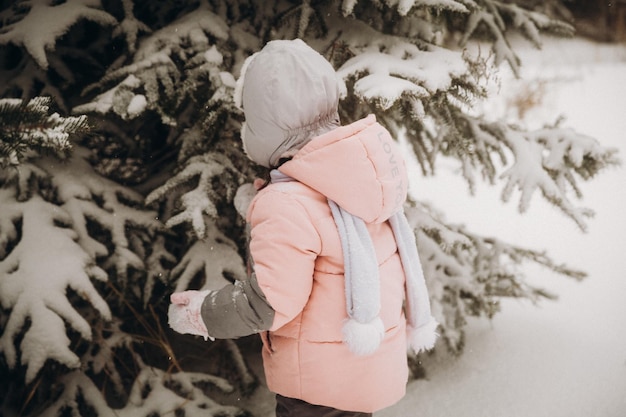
{"type": "Point", "coordinates": [159, 259]}
{"type": "Point", "coordinates": [154, 393]}
{"type": "Point", "coordinates": [27, 126]}
{"type": "Point", "coordinates": [468, 274]}
{"type": "Point", "coordinates": [492, 17]}
{"type": "Point", "coordinates": [35, 275]}
{"type": "Point", "coordinates": [110, 339]}
{"type": "Point", "coordinates": [44, 23]}
{"type": "Point", "coordinates": [201, 199]}
{"type": "Point", "coordinates": [49, 248]}
{"type": "Point", "coordinates": [459, 6]}
{"type": "Point", "coordinates": [546, 160]}
{"type": "Point", "coordinates": [383, 83]}
{"type": "Point", "coordinates": [215, 257]}
{"type": "Point", "coordinates": [130, 27]}
{"type": "Point", "coordinates": [390, 69]}
{"type": "Point", "coordinates": [501, 47]}
{"type": "Point", "coordinates": [155, 73]}
{"type": "Point", "coordinates": [405, 6]}
{"type": "Point", "coordinates": [455, 133]}
{"type": "Point", "coordinates": [27, 79]}
{"type": "Point", "coordinates": [531, 23]}
{"type": "Point", "coordinates": [88, 196]}
{"type": "Point", "coordinates": [120, 99]}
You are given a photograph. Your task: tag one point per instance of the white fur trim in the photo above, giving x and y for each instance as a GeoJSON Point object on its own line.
{"type": "Point", "coordinates": [363, 339]}
{"type": "Point", "coordinates": [424, 337]}
{"type": "Point", "coordinates": [238, 93]}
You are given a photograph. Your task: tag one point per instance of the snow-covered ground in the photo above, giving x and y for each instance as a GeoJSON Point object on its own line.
{"type": "Point", "coordinates": [565, 357]}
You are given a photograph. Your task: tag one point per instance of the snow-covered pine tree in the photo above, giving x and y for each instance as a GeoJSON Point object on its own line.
{"type": "Point", "coordinates": [151, 201]}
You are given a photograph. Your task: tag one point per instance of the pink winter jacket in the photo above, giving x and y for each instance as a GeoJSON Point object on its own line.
{"type": "Point", "coordinates": [298, 262]}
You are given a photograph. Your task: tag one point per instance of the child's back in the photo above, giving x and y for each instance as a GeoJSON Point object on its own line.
{"type": "Point", "coordinates": [336, 275]}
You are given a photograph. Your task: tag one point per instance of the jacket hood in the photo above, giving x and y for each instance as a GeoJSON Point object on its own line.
{"type": "Point", "coordinates": [358, 166]}
{"type": "Point", "coordinates": [289, 93]}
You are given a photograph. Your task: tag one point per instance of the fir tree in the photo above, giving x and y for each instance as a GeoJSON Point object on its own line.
{"type": "Point", "coordinates": [152, 200]}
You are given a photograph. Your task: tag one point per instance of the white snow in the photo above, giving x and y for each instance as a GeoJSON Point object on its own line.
{"type": "Point", "coordinates": [401, 70]}
{"type": "Point", "coordinates": [204, 256]}
{"type": "Point", "coordinates": [213, 56]}
{"type": "Point", "coordinates": [45, 24]}
{"type": "Point", "coordinates": [137, 105]}
{"type": "Point", "coordinates": [43, 302]}
{"type": "Point", "coordinates": [564, 357]}
{"type": "Point", "coordinates": [198, 201]}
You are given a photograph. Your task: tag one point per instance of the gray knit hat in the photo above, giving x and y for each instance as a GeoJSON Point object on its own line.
{"type": "Point", "coordinates": [289, 94]}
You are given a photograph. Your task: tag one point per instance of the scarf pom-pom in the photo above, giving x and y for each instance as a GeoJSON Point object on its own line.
{"type": "Point", "coordinates": [424, 337]}
{"type": "Point", "coordinates": [363, 338]}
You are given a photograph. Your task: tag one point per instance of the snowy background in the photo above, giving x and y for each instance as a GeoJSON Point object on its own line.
{"type": "Point", "coordinates": [564, 357]}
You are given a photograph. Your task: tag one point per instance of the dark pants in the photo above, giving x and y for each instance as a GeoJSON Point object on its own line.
{"type": "Point", "coordinates": [290, 407]}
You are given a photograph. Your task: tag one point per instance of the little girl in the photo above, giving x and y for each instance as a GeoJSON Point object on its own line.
{"type": "Point", "coordinates": [336, 289]}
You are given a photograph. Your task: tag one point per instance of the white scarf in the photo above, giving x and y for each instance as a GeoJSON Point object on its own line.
{"type": "Point", "coordinates": [364, 330]}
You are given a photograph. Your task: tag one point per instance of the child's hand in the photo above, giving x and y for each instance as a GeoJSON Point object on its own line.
{"type": "Point", "coordinates": [184, 313]}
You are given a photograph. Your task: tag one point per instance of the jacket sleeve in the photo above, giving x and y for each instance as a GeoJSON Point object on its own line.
{"type": "Point", "coordinates": [283, 247]}
{"type": "Point", "coordinates": [237, 310]}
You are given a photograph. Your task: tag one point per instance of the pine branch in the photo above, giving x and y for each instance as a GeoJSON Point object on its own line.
{"type": "Point", "coordinates": [27, 128]}
{"type": "Point", "coordinates": [404, 7]}
{"type": "Point", "coordinates": [55, 248]}
{"type": "Point", "coordinates": [468, 274]}
{"type": "Point", "coordinates": [154, 393]}
{"type": "Point", "coordinates": [492, 16]}
{"type": "Point", "coordinates": [34, 276]}
{"type": "Point", "coordinates": [110, 339]}
{"type": "Point", "coordinates": [26, 80]}
{"type": "Point", "coordinates": [149, 81]}
{"type": "Point", "coordinates": [214, 259]}
{"type": "Point", "coordinates": [200, 200]}
{"type": "Point", "coordinates": [42, 25]}
{"type": "Point", "coordinates": [547, 160]}
{"type": "Point", "coordinates": [391, 69]}
{"type": "Point", "coordinates": [130, 27]}
{"type": "Point", "coordinates": [115, 208]}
